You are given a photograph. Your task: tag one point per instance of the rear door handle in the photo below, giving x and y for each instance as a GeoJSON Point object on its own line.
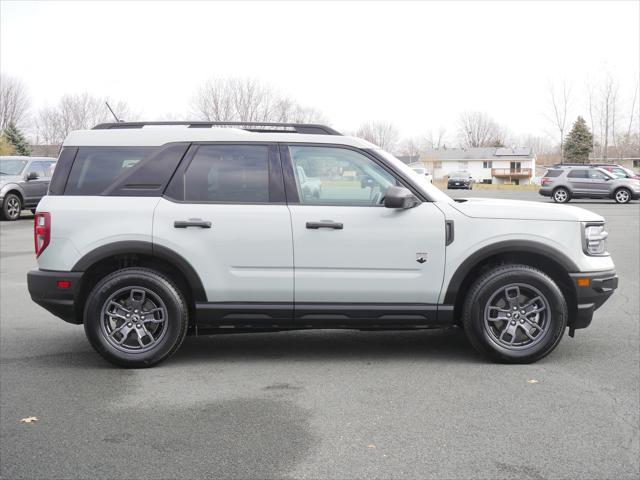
{"type": "Point", "coordinates": [325, 224]}
{"type": "Point", "coordinates": [191, 223]}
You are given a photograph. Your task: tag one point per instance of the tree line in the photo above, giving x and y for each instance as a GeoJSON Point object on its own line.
{"type": "Point", "coordinates": [612, 118]}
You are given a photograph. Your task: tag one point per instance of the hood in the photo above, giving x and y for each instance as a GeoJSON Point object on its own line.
{"type": "Point", "coordinates": [4, 179]}
{"type": "Point", "coordinates": [523, 210]}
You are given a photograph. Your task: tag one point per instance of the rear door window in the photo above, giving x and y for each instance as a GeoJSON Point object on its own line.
{"type": "Point", "coordinates": [228, 174]}
{"type": "Point", "coordinates": [578, 174]}
{"type": "Point", "coordinates": [96, 168]}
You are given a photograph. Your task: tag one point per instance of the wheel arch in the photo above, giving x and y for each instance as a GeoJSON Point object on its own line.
{"type": "Point", "coordinates": [109, 258]}
{"type": "Point", "coordinates": [551, 261]}
{"type": "Point", "coordinates": [16, 190]}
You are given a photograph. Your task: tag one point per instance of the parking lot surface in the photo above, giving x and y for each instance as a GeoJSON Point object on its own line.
{"type": "Point", "coordinates": [322, 404]}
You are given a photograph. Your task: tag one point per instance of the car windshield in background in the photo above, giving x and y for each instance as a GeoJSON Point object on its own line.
{"type": "Point", "coordinates": [459, 174]}
{"type": "Point", "coordinates": [12, 166]}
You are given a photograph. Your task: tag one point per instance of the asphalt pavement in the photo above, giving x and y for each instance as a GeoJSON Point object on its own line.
{"type": "Point", "coordinates": [322, 404]}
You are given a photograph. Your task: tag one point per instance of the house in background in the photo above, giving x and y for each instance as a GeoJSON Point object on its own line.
{"type": "Point", "coordinates": [485, 164]}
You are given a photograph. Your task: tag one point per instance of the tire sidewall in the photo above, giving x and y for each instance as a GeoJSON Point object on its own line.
{"type": "Point", "coordinates": [557, 304]}
{"type": "Point", "coordinates": [175, 324]}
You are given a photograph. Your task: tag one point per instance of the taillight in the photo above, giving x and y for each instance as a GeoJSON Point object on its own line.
{"type": "Point", "coordinates": [544, 181]}
{"type": "Point", "coordinates": [41, 231]}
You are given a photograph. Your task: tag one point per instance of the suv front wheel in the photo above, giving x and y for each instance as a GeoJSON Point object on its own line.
{"type": "Point", "coordinates": [622, 195]}
{"type": "Point", "coordinates": [135, 317]}
{"type": "Point", "coordinates": [515, 314]}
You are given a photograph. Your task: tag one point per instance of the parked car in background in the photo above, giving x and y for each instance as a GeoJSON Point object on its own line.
{"type": "Point", "coordinates": [23, 182]}
{"type": "Point", "coordinates": [613, 168]}
{"type": "Point", "coordinates": [566, 182]}
{"type": "Point", "coordinates": [461, 179]}
{"type": "Point", "coordinates": [309, 186]}
{"type": "Point", "coordinates": [423, 172]}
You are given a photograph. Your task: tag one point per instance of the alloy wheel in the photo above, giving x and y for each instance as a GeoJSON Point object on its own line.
{"type": "Point", "coordinates": [13, 207]}
{"type": "Point", "coordinates": [560, 196]}
{"type": "Point", "coordinates": [134, 319]}
{"type": "Point", "coordinates": [517, 316]}
{"type": "Point", "coordinates": [622, 196]}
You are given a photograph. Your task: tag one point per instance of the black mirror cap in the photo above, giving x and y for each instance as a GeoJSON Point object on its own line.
{"type": "Point", "coordinates": [32, 176]}
{"type": "Point", "coordinates": [400, 197]}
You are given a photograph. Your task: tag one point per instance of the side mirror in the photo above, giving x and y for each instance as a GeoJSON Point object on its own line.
{"type": "Point", "coordinates": [400, 197]}
{"type": "Point", "coordinates": [32, 176]}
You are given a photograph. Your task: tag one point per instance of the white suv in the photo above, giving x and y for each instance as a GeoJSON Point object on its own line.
{"type": "Point", "coordinates": [154, 231]}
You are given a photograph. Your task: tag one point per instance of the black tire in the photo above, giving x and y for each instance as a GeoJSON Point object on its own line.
{"type": "Point", "coordinates": [561, 195]}
{"type": "Point", "coordinates": [481, 332]}
{"type": "Point", "coordinates": [158, 290]}
{"type": "Point", "coordinates": [11, 207]}
{"type": "Point", "coordinates": [622, 195]}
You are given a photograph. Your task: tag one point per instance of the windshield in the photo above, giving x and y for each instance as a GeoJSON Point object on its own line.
{"type": "Point", "coordinates": [459, 174]}
{"type": "Point", "coordinates": [11, 166]}
{"type": "Point", "coordinates": [432, 192]}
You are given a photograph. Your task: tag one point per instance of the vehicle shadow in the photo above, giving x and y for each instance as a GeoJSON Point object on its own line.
{"type": "Point", "coordinates": [331, 345]}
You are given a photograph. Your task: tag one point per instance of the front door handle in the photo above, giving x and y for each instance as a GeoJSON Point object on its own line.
{"type": "Point", "coordinates": [325, 224]}
{"type": "Point", "coordinates": [191, 223]}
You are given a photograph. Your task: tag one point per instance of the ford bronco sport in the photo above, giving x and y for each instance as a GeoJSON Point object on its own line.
{"type": "Point", "coordinates": [152, 231]}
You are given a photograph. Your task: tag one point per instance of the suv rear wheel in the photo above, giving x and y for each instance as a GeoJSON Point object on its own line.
{"type": "Point", "coordinates": [135, 317]}
{"type": "Point", "coordinates": [622, 195]}
{"type": "Point", "coordinates": [515, 314]}
{"type": "Point", "coordinates": [561, 195]}
{"type": "Point", "coordinates": [11, 207]}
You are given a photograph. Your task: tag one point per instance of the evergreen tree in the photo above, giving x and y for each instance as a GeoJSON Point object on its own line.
{"type": "Point", "coordinates": [5, 147]}
{"type": "Point", "coordinates": [579, 142]}
{"type": "Point", "coordinates": [14, 136]}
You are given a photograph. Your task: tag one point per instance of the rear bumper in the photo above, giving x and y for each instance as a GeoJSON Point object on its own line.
{"type": "Point", "coordinates": [44, 290]}
{"type": "Point", "coordinates": [545, 192]}
{"type": "Point", "coordinates": [589, 298]}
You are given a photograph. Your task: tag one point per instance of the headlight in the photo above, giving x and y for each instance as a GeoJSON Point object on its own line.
{"type": "Point", "coordinates": [595, 240]}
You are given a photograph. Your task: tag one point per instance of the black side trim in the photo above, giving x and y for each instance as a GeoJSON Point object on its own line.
{"type": "Point", "coordinates": [508, 246]}
{"type": "Point", "coordinates": [321, 315]}
{"type": "Point", "coordinates": [449, 232]}
{"type": "Point", "coordinates": [146, 248]}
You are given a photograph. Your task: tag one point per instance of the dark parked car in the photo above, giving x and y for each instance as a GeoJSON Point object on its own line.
{"type": "Point", "coordinates": [563, 184]}
{"type": "Point", "coordinates": [23, 182]}
{"type": "Point", "coordinates": [460, 180]}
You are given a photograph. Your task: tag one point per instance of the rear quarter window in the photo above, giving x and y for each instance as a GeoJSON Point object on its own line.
{"type": "Point", "coordinates": [96, 168]}
{"type": "Point", "coordinates": [553, 173]}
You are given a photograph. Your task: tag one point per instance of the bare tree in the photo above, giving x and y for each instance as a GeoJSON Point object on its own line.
{"type": "Point", "coordinates": [477, 129]}
{"type": "Point", "coordinates": [412, 147]}
{"type": "Point", "coordinates": [247, 100]}
{"type": "Point", "coordinates": [435, 140]}
{"type": "Point", "coordinates": [14, 101]}
{"type": "Point", "coordinates": [560, 99]}
{"type": "Point", "coordinates": [380, 133]}
{"type": "Point", "coordinates": [75, 112]}
{"type": "Point", "coordinates": [609, 93]}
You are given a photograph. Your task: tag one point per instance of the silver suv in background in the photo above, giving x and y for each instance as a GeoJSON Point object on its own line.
{"type": "Point", "coordinates": [567, 182]}
{"type": "Point", "coordinates": [23, 182]}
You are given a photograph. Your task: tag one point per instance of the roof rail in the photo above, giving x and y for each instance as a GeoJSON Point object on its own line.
{"type": "Point", "coordinates": [262, 127]}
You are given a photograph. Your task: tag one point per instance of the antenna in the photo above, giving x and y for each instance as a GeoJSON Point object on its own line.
{"type": "Point", "coordinates": [113, 113]}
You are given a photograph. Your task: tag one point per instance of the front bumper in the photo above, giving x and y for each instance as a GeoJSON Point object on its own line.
{"type": "Point", "coordinates": [592, 290]}
{"type": "Point", "coordinates": [45, 290]}
{"type": "Point", "coordinates": [462, 185]}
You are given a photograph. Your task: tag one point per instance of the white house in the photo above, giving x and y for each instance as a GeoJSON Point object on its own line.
{"type": "Point", "coordinates": [485, 164]}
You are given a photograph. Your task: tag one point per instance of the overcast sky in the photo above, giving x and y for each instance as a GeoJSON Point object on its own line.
{"type": "Point", "coordinates": [416, 64]}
